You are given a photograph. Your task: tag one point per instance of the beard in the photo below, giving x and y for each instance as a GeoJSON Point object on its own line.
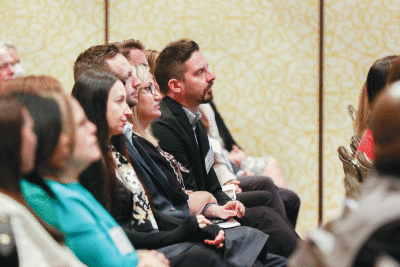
{"type": "Point", "coordinates": [207, 97]}
{"type": "Point", "coordinates": [131, 101]}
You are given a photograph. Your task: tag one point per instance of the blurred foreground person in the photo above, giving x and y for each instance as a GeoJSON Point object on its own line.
{"type": "Point", "coordinates": [368, 231]}
{"type": "Point", "coordinates": [25, 240]}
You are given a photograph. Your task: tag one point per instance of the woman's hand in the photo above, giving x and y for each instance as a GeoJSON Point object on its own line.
{"type": "Point", "coordinates": [152, 258]}
{"type": "Point", "coordinates": [218, 241]}
{"type": "Point", "coordinates": [202, 221]}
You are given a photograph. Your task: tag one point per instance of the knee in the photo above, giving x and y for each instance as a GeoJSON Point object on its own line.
{"type": "Point", "coordinates": [294, 198]}
{"type": "Point", "coordinates": [208, 258]}
{"type": "Point", "coordinates": [266, 183]}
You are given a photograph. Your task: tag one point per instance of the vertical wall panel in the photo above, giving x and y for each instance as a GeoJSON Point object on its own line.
{"type": "Point", "coordinates": [265, 57]}
{"type": "Point", "coordinates": [49, 35]}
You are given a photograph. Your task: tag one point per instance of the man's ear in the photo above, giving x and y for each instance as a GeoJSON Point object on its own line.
{"type": "Point", "coordinates": [175, 86]}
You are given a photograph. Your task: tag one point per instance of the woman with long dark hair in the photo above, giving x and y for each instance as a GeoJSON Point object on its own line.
{"type": "Point", "coordinates": [375, 83]}
{"type": "Point", "coordinates": [26, 239]}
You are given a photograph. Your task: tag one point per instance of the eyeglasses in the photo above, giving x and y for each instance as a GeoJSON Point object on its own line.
{"type": "Point", "coordinates": [152, 89]}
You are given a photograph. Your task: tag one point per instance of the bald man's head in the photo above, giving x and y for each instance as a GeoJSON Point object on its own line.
{"type": "Point", "coordinates": [385, 126]}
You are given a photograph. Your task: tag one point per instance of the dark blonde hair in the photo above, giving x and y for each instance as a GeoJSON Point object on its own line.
{"type": "Point", "coordinates": [95, 58]}
{"type": "Point", "coordinates": [142, 72]}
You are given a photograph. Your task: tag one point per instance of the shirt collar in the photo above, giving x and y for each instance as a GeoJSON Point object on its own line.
{"type": "Point", "coordinates": [193, 117]}
{"type": "Point", "coordinates": [128, 130]}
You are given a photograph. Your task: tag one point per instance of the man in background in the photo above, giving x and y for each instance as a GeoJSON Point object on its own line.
{"type": "Point", "coordinates": [6, 65]}
{"type": "Point", "coordinates": [133, 50]}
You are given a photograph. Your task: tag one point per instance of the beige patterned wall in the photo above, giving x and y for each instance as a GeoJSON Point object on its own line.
{"type": "Point", "coordinates": [50, 34]}
{"type": "Point", "coordinates": [265, 57]}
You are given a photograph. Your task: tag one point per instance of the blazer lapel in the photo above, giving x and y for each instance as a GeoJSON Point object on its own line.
{"type": "Point", "coordinates": [133, 152]}
{"type": "Point", "coordinates": [181, 116]}
{"type": "Point", "coordinates": [198, 167]}
{"type": "Point", "coordinates": [156, 172]}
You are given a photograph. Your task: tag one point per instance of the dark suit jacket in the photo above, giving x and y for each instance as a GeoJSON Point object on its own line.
{"type": "Point", "coordinates": [176, 136]}
{"type": "Point", "coordinates": [155, 181]}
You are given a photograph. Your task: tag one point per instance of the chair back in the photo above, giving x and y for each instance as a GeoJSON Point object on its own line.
{"type": "Point", "coordinates": [354, 142]}
{"type": "Point", "coordinates": [352, 175]}
{"type": "Point", "coordinates": [364, 164]}
{"type": "Point", "coordinates": [352, 112]}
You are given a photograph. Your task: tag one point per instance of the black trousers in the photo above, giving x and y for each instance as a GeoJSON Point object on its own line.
{"type": "Point", "coordinates": [196, 258]}
{"type": "Point", "coordinates": [287, 201]}
{"type": "Point", "coordinates": [263, 213]}
{"type": "Point", "coordinates": [198, 254]}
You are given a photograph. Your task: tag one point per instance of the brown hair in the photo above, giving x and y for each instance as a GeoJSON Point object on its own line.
{"type": "Point", "coordinates": [170, 62]}
{"type": "Point", "coordinates": [31, 84]}
{"type": "Point", "coordinates": [363, 113]}
{"type": "Point", "coordinates": [127, 45]}
{"type": "Point", "coordinates": [142, 73]}
{"type": "Point", "coordinates": [95, 58]}
{"type": "Point", "coordinates": [11, 120]}
{"type": "Point", "coordinates": [44, 86]}
{"type": "Point", "coordinates": [378, 76]}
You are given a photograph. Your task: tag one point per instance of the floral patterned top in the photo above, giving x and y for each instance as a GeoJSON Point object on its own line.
{"type": "Point", "coordinates": [143, 218]}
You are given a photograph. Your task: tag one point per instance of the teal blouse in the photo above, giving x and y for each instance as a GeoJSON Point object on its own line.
{"type": "Point", "coordinates": [91, 233]}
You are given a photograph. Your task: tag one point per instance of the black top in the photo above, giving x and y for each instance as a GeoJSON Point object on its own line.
{"type": "Point", "coordinates": [178, 196]}
{"type": "Point", "coordinates": [171, 230]}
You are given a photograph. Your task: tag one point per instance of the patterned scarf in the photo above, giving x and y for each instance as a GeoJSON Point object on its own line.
{"type": "Point", "coordinates": [176, 166]}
